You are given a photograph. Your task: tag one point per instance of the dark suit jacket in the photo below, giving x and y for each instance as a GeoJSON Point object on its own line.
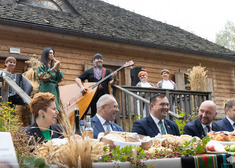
{"type": "Point", "coordinates": [194, 128]}
{"type": "Point", "coordinates": [97, 127]}
{"type": "Point", "coordinates": [225, 124]}
{"type": "Point", "coordinates": [33, 130]}
{"type": "Point", "coordinates": [148, 127]}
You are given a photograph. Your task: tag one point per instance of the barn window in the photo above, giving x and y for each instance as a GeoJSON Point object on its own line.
{"type": "Point", "coordinates": [48, 4]}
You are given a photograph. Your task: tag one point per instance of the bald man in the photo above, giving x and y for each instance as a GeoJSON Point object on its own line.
{"type": "Point", "coordinates": [204, 124]}
{"type": "Point", "coordinates": [107, 108]}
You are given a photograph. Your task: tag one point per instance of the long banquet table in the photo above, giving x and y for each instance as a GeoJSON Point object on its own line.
{"type": "Point", "coordinates": [199, 161]}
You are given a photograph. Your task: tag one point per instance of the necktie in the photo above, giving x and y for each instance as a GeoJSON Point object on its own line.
{"type": "Point", "coordinates": [107, 126]}
{"type": "Point", "coordinates": [163, 131]}
{"type": "Point", "coordinates": [208, 128]}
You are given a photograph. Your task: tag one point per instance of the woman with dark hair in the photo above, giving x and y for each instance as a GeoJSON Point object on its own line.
{"type": "Point", "coordinates": [49, 74]}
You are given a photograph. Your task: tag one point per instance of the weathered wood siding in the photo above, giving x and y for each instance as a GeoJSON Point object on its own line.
{"type": "Point", "coordinates": [73, 51]}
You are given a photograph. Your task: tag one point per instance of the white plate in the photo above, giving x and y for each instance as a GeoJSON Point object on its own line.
{"type": "Point", "coordinates": [224, 142]}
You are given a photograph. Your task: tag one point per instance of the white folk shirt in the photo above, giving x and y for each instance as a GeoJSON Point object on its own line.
{"type": "Point", "coordinates": [145, 84]}
{"type": "Point", "coordinates": [166, 84]}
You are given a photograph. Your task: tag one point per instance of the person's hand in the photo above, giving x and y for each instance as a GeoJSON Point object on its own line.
{"type": "Point", "coordinates": [114, 74]}
{"type": "Point", "coordinates": [0, 84]}
{"type": "Point", "coordinates": [57, 65]}
{"type": "Point", "coordinates": [83, 90]}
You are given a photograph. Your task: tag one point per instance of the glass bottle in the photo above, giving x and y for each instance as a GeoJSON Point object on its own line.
{"type": "Point", "coordinates": [89, 132]}
{"type": "Point", "coordinates": [76, 122]}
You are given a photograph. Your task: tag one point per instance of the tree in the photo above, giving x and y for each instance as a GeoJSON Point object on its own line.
{"type": "Point", "coordinates": [226, 37]}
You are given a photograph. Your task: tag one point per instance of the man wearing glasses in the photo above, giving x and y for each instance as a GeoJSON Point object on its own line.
{"type": "Point", "coordinates": [156, 123]}
{"type": "Point", "coordinates": [107, 108]}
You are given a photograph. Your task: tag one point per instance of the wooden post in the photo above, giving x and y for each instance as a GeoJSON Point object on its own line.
{"type": "Point", "coordinates": [179, 80]}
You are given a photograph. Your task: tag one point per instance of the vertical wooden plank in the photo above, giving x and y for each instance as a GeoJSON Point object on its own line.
{"type": "Point", "coordinates": [204, 98]}
{"type": "Point", "coordinates": [127, 76]}
{"type": "Point", "coordinates": [129, 112]}
{"type": "Point", "coordinates": [123, 111]}
{"type": "Point", "coordinates": [4, 91]}
{"type": "Point", "coordinates": [147, 109]}
{"type": "Point", "coordinates": [141, 108]}
{"type": "Point", "coordinates": [190, 105]}
{"type": "Point", "coordinates": [118, 117]}
{"type": "Point", "coordinates": [199, 100]}
{"type": "Point", "coordinates": [186, 103]}
{"type": "Point", "coordinates": [135, 107]}
{"type": "Point", "coordinates": [181, 102]}
{"type": "Point", "coordinates": [170, 101]}
{"type": "Point", "coordinates": [179, 80]}
{"type": "Point", "coordinates": [195, 102]}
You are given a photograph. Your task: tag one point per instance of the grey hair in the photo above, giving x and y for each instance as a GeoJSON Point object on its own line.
{"type": "Point", "coordinates": [230, 103]}
{"type": "Point", "coordinates": [105, 99]}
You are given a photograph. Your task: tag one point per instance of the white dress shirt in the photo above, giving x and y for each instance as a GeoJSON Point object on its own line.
{"type": "Point", "coordinates": [156, 120]}
{"type": "Point", "coordinates": [206, 129]}
{"type": "Point", "coordinates": [102, 121]}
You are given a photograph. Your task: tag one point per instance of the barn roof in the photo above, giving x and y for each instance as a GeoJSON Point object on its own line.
{"type": "Point", "coordinates": [100, 20]}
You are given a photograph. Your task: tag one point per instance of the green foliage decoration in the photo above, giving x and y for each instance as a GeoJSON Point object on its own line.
{"type": "Point", "coordinates": [31, 162]}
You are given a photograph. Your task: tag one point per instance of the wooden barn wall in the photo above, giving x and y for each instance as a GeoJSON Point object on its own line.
{"type": "Point", "coordinates": [73, 51]}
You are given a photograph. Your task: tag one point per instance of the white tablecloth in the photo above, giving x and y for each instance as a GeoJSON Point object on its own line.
{"type": "Point", "coordinates": [157, 163]}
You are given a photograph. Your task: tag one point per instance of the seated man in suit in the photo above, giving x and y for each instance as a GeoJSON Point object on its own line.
{"type": "Point", "coordinates": [204, 124]}
{"type": "Point", "coordinates": [107, 108]}
{"type": "Point", "coordinates": [228, 123]}
{"type": "Point", "coordinates": [156, 123]}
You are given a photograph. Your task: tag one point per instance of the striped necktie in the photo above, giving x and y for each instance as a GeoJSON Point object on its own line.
{"type": "Point", "coordinates": [163, 131]}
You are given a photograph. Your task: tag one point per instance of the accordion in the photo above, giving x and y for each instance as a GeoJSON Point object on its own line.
{"type": "Point", "coordinates": [23, 83]}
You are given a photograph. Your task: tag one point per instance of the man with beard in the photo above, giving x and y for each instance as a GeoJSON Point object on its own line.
{"type": "Point", "coordinates": [95, 74]}
{"type": "Point", "coordinates": [156, 123]}
{"type": "Point", "coordinates": [204, 124]}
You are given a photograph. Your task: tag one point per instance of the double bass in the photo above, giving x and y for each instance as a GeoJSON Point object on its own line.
{"type": "Point", "coordinates": [72, 97]}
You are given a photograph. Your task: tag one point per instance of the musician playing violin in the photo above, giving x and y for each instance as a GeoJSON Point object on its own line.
{"type": "Point", "coordinates": [95, 74]}
{"type": "Point", "coordinates": [49, 74]}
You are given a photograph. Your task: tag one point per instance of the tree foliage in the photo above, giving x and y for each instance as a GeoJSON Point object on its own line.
{"type": "Point", "coordinates": [226, 37]}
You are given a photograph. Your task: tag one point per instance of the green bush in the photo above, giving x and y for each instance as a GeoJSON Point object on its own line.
{"type": "Point", "coordinates": [181, 122]}
{"type": "Point", "coordinates": [8, 119]}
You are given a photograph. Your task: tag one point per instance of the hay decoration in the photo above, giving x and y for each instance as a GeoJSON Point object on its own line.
{"type": "Point", "coordinates": [197, 78]}
{"type": "Point", "coordinates": [31, 72]}
{"type": "Point", "coordinates": [73, 153]}
{"type": "Point", "coordinates": [21, 143]}
{"type": "Point", "coordinates": [24, 114]}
